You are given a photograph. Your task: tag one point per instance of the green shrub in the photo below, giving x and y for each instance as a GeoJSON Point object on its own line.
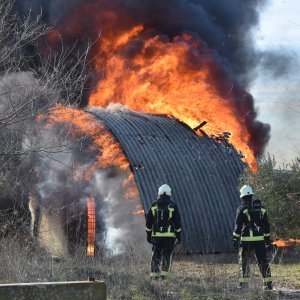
{"type": "Point", "coordinates": [279, 190]}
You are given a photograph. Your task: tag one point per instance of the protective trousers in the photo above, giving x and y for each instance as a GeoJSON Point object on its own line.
{"type": "Point", "coordinates": [246, 250]}
{"type": "Point", "coordinates": [163, 248]}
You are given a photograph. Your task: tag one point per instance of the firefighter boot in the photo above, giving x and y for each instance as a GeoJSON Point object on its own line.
{"type": "Point", "coordinates": [268, 286]}
{"type": "Point", "coordinates": [154, 276]}
{"type": "Point", "coordinates": [243, 285]}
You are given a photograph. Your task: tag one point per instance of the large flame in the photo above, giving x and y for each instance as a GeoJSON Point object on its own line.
{"type": "Point", "coordinates": [152, 73]}
{"type": "Point", "coordinates": [160, 78]}
{"type": "Point", "coordinates": [81, 124]}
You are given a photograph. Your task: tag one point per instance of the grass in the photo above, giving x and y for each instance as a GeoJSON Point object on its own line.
{"type": "Point", "coordinates": [127, 275]}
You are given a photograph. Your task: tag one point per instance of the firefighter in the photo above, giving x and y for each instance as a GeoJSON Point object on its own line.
{"type": "Point", "coordinates": [163, 228]}
{"type": "Point", "coordinates": [252, 233]}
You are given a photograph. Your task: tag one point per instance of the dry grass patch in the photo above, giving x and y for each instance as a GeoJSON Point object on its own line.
{"type": "Point", "coordinates": [127, 275]}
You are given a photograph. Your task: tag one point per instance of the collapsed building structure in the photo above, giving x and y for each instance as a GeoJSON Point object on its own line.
{"type": "Point", "coordinates": [203, 174]}
{"type": "Point", "coordinates": [202, 171]}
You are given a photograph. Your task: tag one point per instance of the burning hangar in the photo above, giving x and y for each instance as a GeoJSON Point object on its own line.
{"type": "Point", "coordinates": [202, 172]}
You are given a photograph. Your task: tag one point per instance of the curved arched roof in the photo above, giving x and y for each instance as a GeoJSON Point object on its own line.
{"type": "Point", "coordinates": [202, 173]}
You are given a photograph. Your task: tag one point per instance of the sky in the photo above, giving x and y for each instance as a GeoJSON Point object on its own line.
{"type": "Point", "coordinates": [278, 100]}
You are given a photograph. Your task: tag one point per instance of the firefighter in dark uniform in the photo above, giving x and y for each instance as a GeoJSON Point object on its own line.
{"type": "Point", "coordinates": [163, 230]}
{"type": "Point", "coordinates": [252, 233]}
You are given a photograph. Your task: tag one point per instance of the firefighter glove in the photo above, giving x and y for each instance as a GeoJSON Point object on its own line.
{"type": "Point", "coordinates": [235, 243]}
{"type": "Point", "coordinates": [268, 242]}
{"type": "Point", "coordinates": [149, 238]}
{"type": "Point", "coordinates": [178, 238]}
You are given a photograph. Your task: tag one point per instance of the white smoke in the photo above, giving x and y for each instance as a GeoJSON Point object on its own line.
{"type": "Point", "coordinates": [117, 107]}
{"type": "Point", "coordinates": [59, 187]}
{"type": "Point", "coordinates": [123, 228]}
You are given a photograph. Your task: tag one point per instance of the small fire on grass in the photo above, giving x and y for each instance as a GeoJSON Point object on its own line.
{"type": "Point", "coordinates": [287, 243]}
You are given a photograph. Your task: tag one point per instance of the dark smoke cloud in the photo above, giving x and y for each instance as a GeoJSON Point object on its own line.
{"type": "Point", "coordinates": [223, 26]}
{"type": "Point", "coordinates": [52, 11]}
{"type": "Point", "coordinates": [276, 65]}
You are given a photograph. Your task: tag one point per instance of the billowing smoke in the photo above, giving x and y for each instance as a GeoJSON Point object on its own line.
{"type": "Point", "coordinates": [223, 27]}
{"type": "Point", "coordinates": [122, 228]}
{"type": "Point", "coordinates": [60, 192]}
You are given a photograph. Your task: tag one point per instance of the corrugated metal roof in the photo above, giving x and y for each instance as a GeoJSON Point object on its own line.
{"type": "Point", "coordinates": [202, 173]}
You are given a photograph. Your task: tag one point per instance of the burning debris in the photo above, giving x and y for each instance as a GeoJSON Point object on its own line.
{"type": "Point", "coordinates": [200, 125]}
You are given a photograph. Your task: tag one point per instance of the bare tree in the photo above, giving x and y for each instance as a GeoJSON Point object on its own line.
{"type": "Point", "coordinates": [33, 79]}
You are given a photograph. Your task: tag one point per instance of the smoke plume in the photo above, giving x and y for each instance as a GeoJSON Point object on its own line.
{"type": "Point", "coordinates": [60, 193]}
{"type": "Point", "coordinates": [223, 27]}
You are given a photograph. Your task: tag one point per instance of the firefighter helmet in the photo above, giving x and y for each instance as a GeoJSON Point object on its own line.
{"type": "Point", "coordinates": [246, 190]}
{"type": "Point", "coordinates": [164, 189]}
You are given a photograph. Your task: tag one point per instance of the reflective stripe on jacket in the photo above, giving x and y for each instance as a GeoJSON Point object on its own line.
{"type": "Point", "coordinates": [251, 225]}
{"type": "Point", "coordinates": [174, 221]}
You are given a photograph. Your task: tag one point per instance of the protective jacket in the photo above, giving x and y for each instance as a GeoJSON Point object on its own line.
{"type": "Point", "coordinates": [162, 226]}
{"type": "Point", "coordinates": [251, 223]}
{"type": "Point", "coordinates": [163, 218]}
{"type": "Point", "coordinates": [252, 229]}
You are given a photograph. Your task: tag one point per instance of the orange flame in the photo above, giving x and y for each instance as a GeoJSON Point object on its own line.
{"type": "Point", "coordinates": [91, 224]}
{"type": "Point", "coordinates": [287, 243]}
{"type": "Point", "coordinates": [130, 188]}
{"type": "Point", "coordinates": [82, 123]}
{"type": "Point", "coordinates": [161, 80]}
